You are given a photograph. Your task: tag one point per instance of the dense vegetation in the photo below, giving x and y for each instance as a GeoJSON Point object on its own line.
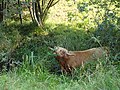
{"type": "Point", "coordinates": [27, 63]}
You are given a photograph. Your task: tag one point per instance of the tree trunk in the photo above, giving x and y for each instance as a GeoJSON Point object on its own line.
{"type": "Point", "coordinates": [36, 15]}
{"type": "Point", "coordinates": [40, 10]}
{"type": "Point", "coordinates": [1, 11]}
{"type": "Point", "coordinates": [20, 15]}
{"type": "Point", "coordinates": [31, 13]}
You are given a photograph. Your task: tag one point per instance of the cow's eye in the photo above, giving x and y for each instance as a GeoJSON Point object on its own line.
{"type": "Point", "coordinates": [60, 50]}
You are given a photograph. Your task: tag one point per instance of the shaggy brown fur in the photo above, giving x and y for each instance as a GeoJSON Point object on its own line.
{"type": "Point", "coordinates": [72, 59]}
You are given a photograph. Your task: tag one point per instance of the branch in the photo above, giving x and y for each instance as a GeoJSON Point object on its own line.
{"type": "Point", "coordinates": [20, 15]}
{"type": "Point", "coordinates": [39, 7]}
{"type": "Point", "coordinates": [55, 3]}
{"type": "Point", "coordinates": [49, 4]}
{"type": "Point", "coordinates": [43, 3]}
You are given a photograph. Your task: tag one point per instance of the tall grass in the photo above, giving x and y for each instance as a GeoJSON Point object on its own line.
{"type": "Point", "coordinates": [38, 60]}
{"type": "Point", "coordinates": [102, 78]}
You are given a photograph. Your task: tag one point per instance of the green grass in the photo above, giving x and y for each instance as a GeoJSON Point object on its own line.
{"type": "Point", "coordinates": [38, 60]}
{"type": "Point", "coordinates": [100, 79]}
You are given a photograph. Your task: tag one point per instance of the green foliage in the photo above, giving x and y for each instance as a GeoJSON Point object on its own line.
{"type": "Point", "coordinates": [101, 78]}
{"type": "Point", "coordinates": [23, 9]}
{"type": "Point", "coordinates": [102, 17]}
{"type": "Point", "coordinates": [9, 40]}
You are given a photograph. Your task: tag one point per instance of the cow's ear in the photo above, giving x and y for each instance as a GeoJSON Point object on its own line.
{"type": "Point", "coordinates": [70, 54]}
{"type": "Point", "coordinates": [56, 47]}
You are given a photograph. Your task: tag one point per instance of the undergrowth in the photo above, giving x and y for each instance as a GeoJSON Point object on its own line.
{"type": "Point", "coordinates": [37, 62]}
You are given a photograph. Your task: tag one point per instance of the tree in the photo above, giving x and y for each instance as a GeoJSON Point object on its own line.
{"type": "Point", "coordinates": [40, 9]}
{"type": "Point", "coordinates": [1, 11]}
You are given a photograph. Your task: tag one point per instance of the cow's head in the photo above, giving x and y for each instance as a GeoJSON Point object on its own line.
{"type": "Point", "coordinates": [62, 52]}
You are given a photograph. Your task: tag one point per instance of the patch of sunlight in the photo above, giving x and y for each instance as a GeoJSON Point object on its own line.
{"type": "Point", "coordinates": [41, 33]}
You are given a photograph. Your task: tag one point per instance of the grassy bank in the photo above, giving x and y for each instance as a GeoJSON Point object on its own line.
{"type": "Point", "coordinates": [38, 60]}
{"type": "Point", "coordinates": [100, 79]}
